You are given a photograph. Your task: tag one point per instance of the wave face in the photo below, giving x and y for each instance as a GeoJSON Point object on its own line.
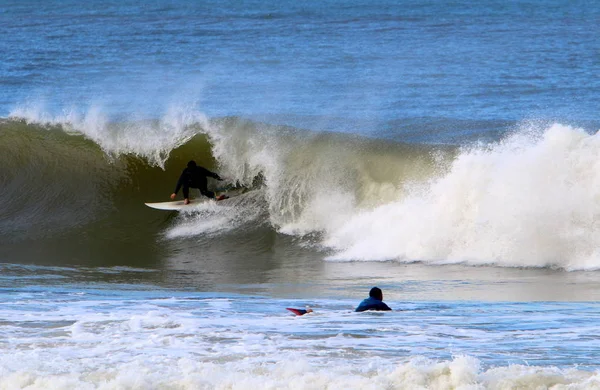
{"type": "Point", "coordinates": [530, 199]}
{"type": "Point", "coordinates": [51, 181]}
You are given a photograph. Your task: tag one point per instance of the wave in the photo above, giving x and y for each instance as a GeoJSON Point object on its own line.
{"type": "Point", "coordinates": [460, 372]}
{"type": "Point", "coordinates": [531, 200]}
{"type": "Point", "coordinates": [527, 200]}
{"type": "Point", "coordinates": [53, 180]}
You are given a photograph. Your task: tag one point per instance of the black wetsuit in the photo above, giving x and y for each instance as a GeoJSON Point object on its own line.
{"type": "Point", "coordinates": [372, 304]}
{"type": "Point", "coordinates": [195, 177]}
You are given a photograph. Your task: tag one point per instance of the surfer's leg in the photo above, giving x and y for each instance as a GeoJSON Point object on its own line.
{"type": "Point", "coordinates": [208, 193]}
{"type": "Point", "coordinates": [186, 193]}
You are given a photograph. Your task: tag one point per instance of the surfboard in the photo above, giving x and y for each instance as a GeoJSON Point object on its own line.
{"type": "Point", "coordinates": [299, 312]}
{"type": "Point", "coordinates": [178, 205]}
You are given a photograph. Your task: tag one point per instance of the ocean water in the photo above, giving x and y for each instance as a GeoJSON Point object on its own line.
{"type": "Point", "coordinates": [446, 152]}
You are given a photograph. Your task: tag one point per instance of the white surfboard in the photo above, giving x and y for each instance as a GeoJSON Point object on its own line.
{"type": "Point", "coordinates": [178, 205]}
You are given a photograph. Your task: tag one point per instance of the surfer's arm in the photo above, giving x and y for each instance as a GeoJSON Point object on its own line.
{"type": "Point", "coordinates": [179, 183]}
{"type": "Point", "coordinates": [211, 174]}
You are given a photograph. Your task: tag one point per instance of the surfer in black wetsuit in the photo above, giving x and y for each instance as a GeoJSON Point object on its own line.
{"type": "Point", "coordinates": [194, 177]}
{"type": "Point", "coordinates": [374, 302]}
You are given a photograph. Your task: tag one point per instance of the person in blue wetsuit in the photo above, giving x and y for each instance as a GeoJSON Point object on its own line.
{"type": "Point", "coordinates": [194, 177]}
{"type": "Point", "coordinates": [374, 302]}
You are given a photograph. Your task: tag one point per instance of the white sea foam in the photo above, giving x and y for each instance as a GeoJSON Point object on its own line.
{"type": "Point", "coordinates": [527, 201]}
{"type": "Point", "coordinates": [531, 199]}
{"type": "Point", "coordinates": [109, 337]}
{"type": "Point", "coordinates": [187, 373]}
{"type": "Point", "coordinates": [211, 218]}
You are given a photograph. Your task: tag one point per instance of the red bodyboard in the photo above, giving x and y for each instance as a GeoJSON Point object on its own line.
{"type": "Point", "coordinates": [298, 312]}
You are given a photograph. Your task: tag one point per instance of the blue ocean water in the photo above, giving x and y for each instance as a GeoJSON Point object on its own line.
{"type": "Point", "coordinates": [445, 151]}
{"type": "Point", "coordinates": [371, 61]}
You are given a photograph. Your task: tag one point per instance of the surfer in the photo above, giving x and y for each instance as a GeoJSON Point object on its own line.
{"type": "Point", "coordinates": [374, 302]}
{"type": "Point", "coordinates": [195, 177]}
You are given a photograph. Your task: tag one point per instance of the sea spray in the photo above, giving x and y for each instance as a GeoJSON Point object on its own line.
{"type": "Point", "coordinates": [152, 139]}
{"type": "Point", "coordinates": [530, 200]}
{"type": "Point", "coordinates": [314, 178]}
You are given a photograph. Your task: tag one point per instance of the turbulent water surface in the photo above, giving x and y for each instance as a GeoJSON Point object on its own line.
{"type": "Point", "coordinates": [446, 153]}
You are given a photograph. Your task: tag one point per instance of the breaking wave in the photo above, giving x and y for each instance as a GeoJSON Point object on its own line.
{"type": "Point", "coordinates": [529, 199]}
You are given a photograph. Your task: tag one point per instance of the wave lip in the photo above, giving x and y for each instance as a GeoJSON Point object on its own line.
{"type": "Point", "coordinates": [152, 140]}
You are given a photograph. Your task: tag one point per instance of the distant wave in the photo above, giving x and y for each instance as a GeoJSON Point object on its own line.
{"type": "Point", "coordinates": [530, 200]}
